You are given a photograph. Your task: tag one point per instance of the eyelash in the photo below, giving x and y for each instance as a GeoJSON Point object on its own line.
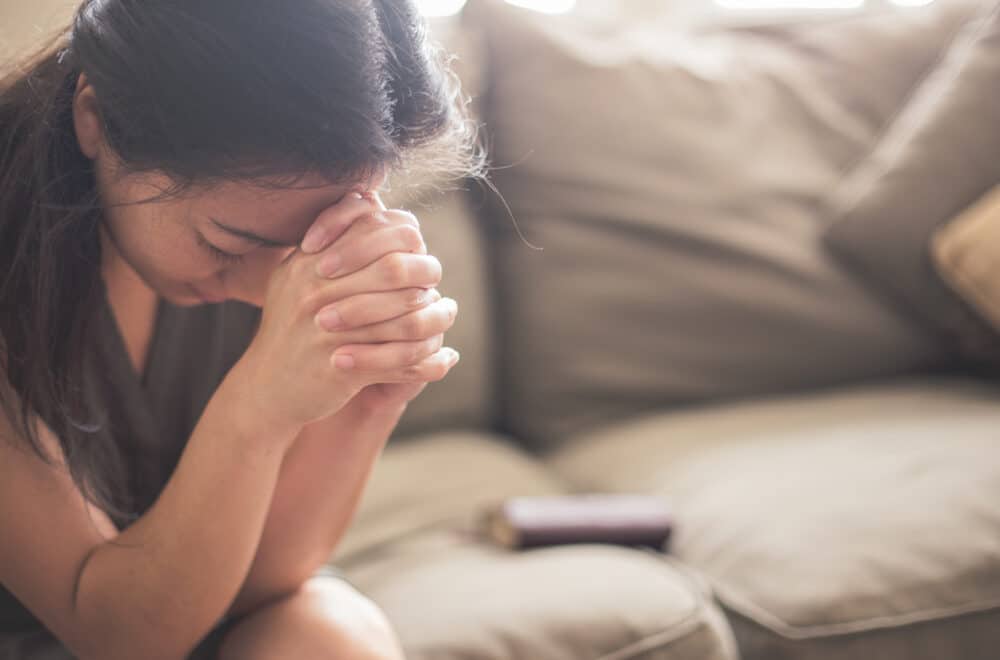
{"type": "Point", "coordinates": [220, 255]}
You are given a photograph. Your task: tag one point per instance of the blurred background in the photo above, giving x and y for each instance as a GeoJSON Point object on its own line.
{"type": "Point", "coordinates": [22, 23]}
{"type": "Point", "coordinates": [768, 291]}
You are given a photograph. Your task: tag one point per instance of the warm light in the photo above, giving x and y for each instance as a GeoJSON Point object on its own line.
{"type": "Point", "coordinates": [440, 7]}
{"type": "Point", "coordinates": [911, 3]}
{"type": "Point", "coordinates": [792, 4]}
{"type": "Point", "coordinates": [546, 6]}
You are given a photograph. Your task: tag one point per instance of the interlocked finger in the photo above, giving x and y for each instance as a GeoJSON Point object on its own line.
{"type": "Point", "coordinates": [393, 357]}
{"type": "Point", "coordinates": [367, 308]}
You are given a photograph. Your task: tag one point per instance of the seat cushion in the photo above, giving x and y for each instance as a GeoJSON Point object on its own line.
{"type": "Point", "coordinates": [416, 549]}
{"type": "Point", "coordinates": [439, 479]}
{"type": "Point", "coordinates": [853, 524]}
{"type": "Point", "coordinates": [451, 596]}
{"type": "Point", "coordinates": [673, 181]}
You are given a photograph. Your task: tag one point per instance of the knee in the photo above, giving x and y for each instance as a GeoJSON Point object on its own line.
{"type": "Point", "coordinates": [326, 619]}
{"type": "Point", "coordinates": [350, 624]}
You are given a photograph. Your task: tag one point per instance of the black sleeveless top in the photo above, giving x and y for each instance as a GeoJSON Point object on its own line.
{"type": "Point", "coordinates": [190, 352]}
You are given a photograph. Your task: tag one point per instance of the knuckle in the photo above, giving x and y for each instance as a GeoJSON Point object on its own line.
{"type": "Point", "coordinates": [411, 237]}
{"type": "Point", "coordinates": [409, 218]}
{"type": "Point", "coordinates": [411, 372]}
{"type": "Point", "coordinates": [312, 300]}
{"type": "Point", "coordinates": [415, 325]}
{"type": "Point", "coordinates": [393, 268]}
{"type": "Point", "coordinates": [416, 353]}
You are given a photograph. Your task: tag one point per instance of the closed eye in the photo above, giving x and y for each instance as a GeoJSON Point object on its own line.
{"type": "Point", "coordinates": [219, 255]}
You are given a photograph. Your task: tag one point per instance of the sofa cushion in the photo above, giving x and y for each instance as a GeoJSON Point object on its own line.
{"type": "Point", "coordinates": [854, 524]}
{"type": "Point", "coordinates": [674, 183]}
{"type": "Point", "coordinates": [451, 596]}
{"type": "Point", "coordinates": [939, 156]}
{"type": "Point", "coordinates": [439, 479]}
{"type": "Point", "coordinates": [416, 548]}
{"type": "Point", "coordinates": [966, 254]}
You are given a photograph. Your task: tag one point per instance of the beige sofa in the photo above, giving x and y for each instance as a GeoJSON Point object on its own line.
{"type": "Point", "coordinates": [690, 328]}
{"type": "Point", "coordinates": [695, 326]}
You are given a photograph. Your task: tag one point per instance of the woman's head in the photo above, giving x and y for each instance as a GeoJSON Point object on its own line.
{"type": "Point", "coordinates": [206, 244]}
{"type": "Point", "coordinates": [151, 125]}
{"type": "Point", "coordinates": [221, 100]}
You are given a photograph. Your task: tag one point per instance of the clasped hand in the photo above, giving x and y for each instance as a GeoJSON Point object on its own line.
{"type": "Point", "coordinates": [354, 313]}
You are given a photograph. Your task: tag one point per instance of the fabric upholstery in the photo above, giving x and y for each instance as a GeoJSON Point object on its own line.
{"type": "Point", "coordinates": [848, 524]}
{"type": "Point", "coordinates": [937, 157]}
{"type": "Point", "coordinates": [673, 181]}
{"type": "Point", "coordinates": [454, 598]}
{"type": "Point", "coordinates": [439, 479]}
{"type": "Point", "coordinates": [416, 550]}
{"type": "Point", "coordinates": [966, 254]}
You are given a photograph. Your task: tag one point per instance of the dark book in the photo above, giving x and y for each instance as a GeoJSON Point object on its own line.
{"type": "Point", "coordinates": [543, 520]}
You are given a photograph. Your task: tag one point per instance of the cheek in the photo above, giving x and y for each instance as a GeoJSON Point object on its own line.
{"type": "Point", "coordinates": [158, 249]}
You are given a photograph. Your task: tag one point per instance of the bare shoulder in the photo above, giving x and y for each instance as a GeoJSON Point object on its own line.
{"type": "Point", "coordinates": [47, 529]}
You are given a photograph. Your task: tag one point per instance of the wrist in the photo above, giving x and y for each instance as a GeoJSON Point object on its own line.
{"type": "Point", "coordinates": [254, 420]}
{"type": "Point", "coordinates": [381, 409]}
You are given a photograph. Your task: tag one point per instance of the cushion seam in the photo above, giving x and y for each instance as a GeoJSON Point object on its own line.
{"type": "Point", "coordinates": [678, 630]}
{"type": "Point", "coordinates": [946, 49]}
{"type": "Point", "coordinates": [761, 616]}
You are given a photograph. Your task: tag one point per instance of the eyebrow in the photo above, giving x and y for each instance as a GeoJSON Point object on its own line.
{"type": "Point", "coordinates": [250, 236]}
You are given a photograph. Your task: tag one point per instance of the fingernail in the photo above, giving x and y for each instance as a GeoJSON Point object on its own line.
{"type": "Point", "coordinates": [329, 265]}
{"type": "Point", "coordinates": [314, 240]}
{"type": "Point", "coordinates": [356, 195]}
{"type": "Point", "coordinates": [343, 361]}
{"type": "Point", "coordinates": [455, 357]}
{"type": "Point", "coordinates": [329, 319]}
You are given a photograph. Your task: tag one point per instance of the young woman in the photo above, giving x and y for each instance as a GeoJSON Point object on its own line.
{"type": "Point", "coordinates": [209, 323]}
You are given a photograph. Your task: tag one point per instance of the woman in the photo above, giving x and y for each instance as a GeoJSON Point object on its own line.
{"type": "Point", "coordinates": [176, 469]}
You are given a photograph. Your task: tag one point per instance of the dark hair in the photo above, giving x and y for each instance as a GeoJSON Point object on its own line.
{"type": "Point", "coordinates": [204, 92]}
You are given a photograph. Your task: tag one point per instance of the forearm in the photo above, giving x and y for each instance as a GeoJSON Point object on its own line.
{"type": "Point", "coordinates": [320, 486]}
{"type": "Point", "coordinates": [161, 585]}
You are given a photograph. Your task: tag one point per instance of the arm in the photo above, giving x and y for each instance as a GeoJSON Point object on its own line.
{"type": "Point", "coordinates": [323, 476]}
{"type": "Point", "coordinates": [320, 486]}
{"type": "Point", "coordinates": [156, 588]}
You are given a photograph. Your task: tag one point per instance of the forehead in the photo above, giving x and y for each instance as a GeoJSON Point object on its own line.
{"type": "Point", "coordinates": [281, 213]}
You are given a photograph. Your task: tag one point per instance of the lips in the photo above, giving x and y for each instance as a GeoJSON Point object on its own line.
{"type": "Point", "coordinates": [207, 297]}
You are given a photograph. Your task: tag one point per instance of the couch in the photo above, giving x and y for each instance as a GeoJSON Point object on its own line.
{"type": "Point", "coordinates": [685, 284]}
{"type": "Point", "coordinates": [749, 265]}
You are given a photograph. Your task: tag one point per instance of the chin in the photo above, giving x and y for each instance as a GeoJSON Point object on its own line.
{"type": "Point", "coordinates": [182, 296]}
{"type": "Point", "coordinates": [183, 301]}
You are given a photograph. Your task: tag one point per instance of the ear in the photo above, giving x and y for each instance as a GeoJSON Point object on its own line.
{"type": "Point", "coordinates": [87, 118]}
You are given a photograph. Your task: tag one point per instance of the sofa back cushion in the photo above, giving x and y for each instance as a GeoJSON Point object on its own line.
{"type": "Point", "coordinates": [673, 181]}
{"type": "Point", "coordinates": [939, 156]}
